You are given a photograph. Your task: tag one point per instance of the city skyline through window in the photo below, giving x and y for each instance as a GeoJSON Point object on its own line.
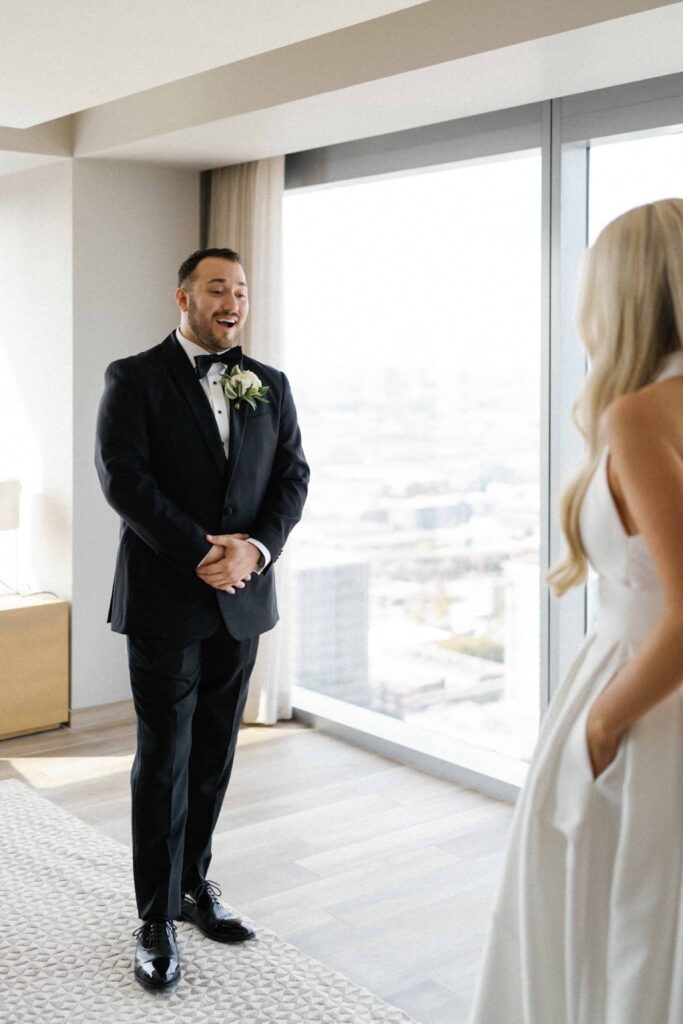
{"type": "Point", "coordinates": [412, 324]}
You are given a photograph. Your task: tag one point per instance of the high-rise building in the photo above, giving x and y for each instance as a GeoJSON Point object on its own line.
{"type": "Point", "coordinates": [332, 598]}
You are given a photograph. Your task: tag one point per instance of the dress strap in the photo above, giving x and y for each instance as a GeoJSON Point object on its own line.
{"type": "Point", "coordinates": [671, 365]}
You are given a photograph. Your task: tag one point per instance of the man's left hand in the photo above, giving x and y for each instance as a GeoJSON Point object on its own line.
{"type": "Point", "coordinates": [240, 559]}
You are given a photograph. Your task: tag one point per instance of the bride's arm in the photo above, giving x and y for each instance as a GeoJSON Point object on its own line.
{"type": "Point", "coordinates": [645, 454]}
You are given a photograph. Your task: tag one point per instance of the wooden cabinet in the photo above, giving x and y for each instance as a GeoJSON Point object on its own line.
{"type": "Point", "coordinates": [34, 663]}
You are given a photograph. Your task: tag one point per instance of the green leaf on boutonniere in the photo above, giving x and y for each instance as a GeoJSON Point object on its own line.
{"type": "Point", "coordinates": [243, 385]}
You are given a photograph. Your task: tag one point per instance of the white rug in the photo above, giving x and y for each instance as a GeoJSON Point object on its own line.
{"type": "Point", "coordinates": [67, 911]}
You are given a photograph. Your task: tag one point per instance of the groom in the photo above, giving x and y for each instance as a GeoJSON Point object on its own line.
{"type": "Point", "coordinates": [208, 488]}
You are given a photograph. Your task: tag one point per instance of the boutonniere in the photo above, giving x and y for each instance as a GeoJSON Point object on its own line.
{"type": "Point", "coordinates": [243, 386]}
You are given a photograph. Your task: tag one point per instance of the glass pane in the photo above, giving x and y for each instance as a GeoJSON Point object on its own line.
{"type": "Point", "coordinates": [412, 310]}
{"type": "Point", "coordinates": [632, 172]}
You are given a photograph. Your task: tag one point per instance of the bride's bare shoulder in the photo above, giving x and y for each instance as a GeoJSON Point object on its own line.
{"type": "Point", "coordinates": [657, 406]}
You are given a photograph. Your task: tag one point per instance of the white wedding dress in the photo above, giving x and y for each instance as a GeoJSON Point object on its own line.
{"type": "Point", "coordinates": [588, 924]}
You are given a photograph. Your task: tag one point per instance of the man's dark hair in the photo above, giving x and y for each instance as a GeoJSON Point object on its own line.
{"type": "Point", "coordinates": [187, 268]}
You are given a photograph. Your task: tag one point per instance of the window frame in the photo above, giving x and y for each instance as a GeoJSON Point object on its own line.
{"type": "Point", "coordinates": [562, 129]}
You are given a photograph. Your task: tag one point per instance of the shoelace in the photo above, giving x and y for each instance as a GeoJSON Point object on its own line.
{"type": "Point", "coordinates": [151, 933]}
{"type": "Point", "coordinates": [212, 890]}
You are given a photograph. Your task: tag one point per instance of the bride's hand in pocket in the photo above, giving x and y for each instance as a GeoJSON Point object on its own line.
{"type": "Point", "coordinates": [602, 744]}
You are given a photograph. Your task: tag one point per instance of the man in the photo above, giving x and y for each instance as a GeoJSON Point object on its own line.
{"type": "Point", "coordinates": [208, 488]}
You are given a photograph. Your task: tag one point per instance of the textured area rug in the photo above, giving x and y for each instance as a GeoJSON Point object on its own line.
{"type": "Point", "coordinates": [67, 911]}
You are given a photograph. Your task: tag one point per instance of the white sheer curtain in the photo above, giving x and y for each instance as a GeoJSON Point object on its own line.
{"type": "Point", "coordinates": [245, 213]}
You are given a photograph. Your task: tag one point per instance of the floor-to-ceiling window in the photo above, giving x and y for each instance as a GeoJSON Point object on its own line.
{"type": "Point", "coordinates": [430, 300]}
{"type": "Point", "coordinates": [413, 344]}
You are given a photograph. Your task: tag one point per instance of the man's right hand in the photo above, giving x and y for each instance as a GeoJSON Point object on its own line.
{"type": "Point", "coordinates": [221, 576]}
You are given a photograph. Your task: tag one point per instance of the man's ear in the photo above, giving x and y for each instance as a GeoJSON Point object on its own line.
{"type": "Point", "coordinates": [181, 299]}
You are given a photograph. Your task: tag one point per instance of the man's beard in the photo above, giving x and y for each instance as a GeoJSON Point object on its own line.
{"type": "Point", "coordinates": [201, 328]}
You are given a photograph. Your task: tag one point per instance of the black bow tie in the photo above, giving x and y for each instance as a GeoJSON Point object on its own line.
{"type": "Point", "coordinates": [202, 364]}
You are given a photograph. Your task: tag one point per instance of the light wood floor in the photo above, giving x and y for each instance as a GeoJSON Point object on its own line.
{"type": "Point", "coordinates": [380, 871]}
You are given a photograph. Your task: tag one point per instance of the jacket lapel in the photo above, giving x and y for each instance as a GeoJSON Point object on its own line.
{"type": "Point", "coordinates": [193, 393]}
{"type": "Point", "coordinates": [238, 426]}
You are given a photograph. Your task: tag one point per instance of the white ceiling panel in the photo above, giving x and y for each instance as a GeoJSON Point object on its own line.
{"type": "Point", "coordinates": [59, 58]}
{"type": "Point", "coordinates": [640, 46]}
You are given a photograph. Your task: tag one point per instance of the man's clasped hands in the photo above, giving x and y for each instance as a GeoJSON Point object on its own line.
{"type": "Point", "coordinates": [230, 562]}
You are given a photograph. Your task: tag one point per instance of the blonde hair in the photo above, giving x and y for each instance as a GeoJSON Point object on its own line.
{"type": "Point", "coordinates": [630, 315]}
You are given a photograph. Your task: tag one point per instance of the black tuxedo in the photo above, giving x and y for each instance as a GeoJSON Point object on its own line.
{"type": "Point", "coordinates": [162, 467]}
{"type": "Point", "coordinates": [191, 648]}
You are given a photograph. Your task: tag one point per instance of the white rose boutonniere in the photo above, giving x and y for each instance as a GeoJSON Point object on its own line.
{"type": "Point", "coordinates": [243, 386]}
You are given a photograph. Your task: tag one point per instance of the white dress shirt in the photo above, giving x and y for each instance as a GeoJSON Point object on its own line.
{"type": "Point", "coordinates": [218, 401]}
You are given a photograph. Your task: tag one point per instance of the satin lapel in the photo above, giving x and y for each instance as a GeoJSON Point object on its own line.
{"type": "Point", "coordinates": [194, 395]}
{"type": "Point", "coordinates": [238, 427]}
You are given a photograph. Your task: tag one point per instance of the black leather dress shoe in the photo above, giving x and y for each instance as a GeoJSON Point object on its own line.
{"type": "Point", "coordinates": [202, 907]}
{"type": "Point", "coordinates": [157, 964]}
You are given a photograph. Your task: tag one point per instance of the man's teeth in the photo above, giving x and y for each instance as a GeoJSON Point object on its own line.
{"type": "Point", "coordinates": [228, 323]}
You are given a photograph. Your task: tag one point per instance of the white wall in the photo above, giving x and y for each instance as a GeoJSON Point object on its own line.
{"type": "Point", "coordinates": [133, 225]}
{"type": "Point", "coordinates": [35, 369]}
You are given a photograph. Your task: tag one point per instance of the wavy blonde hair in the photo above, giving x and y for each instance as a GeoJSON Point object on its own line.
{"type": "Point", "coordinates": [630, 316]}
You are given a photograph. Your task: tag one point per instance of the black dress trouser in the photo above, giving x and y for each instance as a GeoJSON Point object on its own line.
{"type": "Point", "coordinates": [189, 701]}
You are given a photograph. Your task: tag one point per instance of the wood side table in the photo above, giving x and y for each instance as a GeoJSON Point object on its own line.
{"type": "Point", "coordinates": [34, 664]}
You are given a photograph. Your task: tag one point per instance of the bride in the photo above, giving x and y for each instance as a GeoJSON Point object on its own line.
{"type": "Point", "coordinates": [588, 924]}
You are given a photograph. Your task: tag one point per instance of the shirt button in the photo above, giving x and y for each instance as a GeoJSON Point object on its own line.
{"type": "Point", "coordinates": [218, 411]}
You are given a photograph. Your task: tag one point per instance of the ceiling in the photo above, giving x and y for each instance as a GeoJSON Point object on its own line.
{"type": "Point", "coordinates": [205, 85]}
{"type": "Point", "coordinates": [58, 58]}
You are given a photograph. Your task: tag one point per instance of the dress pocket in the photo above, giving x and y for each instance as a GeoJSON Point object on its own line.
{"type": "Point", "coordinates": [610, 781]}
{"type": "Point", "coordinates": [606, 772]}
{"type": "Point", "coordinates": [573, 782]}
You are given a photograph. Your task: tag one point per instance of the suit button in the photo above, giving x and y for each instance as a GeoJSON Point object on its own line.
{"type": "Point", "coordinates": [229, 510]}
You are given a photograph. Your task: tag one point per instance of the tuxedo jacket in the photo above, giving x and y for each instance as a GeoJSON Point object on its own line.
{"type": "Point", "coordinates": [162, 467]}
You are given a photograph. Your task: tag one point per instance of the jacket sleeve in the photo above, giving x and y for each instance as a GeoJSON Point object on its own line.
{"type": "Point", "coordinates": [283, 505]}
{"type": "Point", "coordinates": [123, 466]}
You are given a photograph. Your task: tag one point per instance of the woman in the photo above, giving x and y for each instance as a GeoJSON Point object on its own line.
{"type": "Point", "coordinates": [588, 926]}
